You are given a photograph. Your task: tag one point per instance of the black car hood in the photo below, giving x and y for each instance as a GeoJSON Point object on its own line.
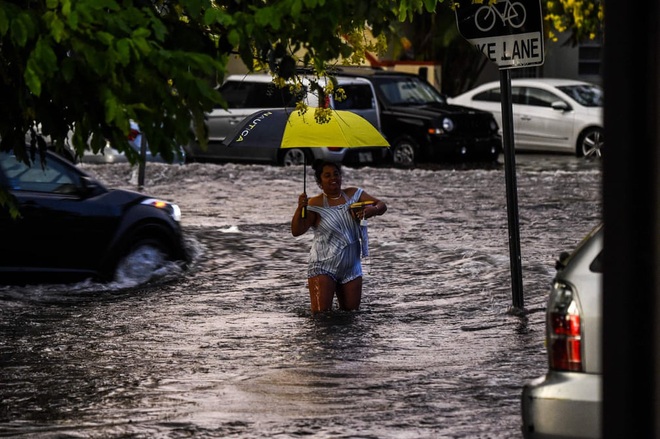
{"type": "Point", "coordinates": [120, 197]}
{"type": "Point", "coordinates": [434, 110]}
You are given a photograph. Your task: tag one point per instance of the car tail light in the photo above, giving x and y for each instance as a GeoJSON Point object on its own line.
{"type": "Point", "coordinates": [335, 148]}
{"type": "Point", "coordinates": [564, 330]}
{"type": "Point", "coordinates": [132, 134]}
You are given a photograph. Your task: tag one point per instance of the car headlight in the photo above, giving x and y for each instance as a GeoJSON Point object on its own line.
{"type": "Point", "coordinates": [172, 210]}
{"type": "Point", "coordinates": [447, 127]}
{"type": "Point", "coordinates": [493, 125]}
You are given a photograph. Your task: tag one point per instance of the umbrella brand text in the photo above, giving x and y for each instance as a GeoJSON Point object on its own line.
{"type": "Point", "coordinates": [252, 125]}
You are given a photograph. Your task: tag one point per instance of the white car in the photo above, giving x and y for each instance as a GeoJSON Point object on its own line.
{"type": "Point", "coordinates": [550, 115]}
{"type": "Point", "coordinates": [567, 401]}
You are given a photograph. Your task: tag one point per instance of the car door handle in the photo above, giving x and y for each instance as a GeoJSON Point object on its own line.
{"type": "Point", "coordinates": [525, 118]}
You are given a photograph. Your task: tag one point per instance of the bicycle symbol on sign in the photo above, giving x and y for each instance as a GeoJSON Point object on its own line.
{"type": "Point", "coordinates": [513, 14]}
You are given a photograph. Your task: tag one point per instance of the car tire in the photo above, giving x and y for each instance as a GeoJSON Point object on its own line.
{"type": "Point", "coordinates": [294, 157]}
{"type": "Point", "coordinates": [590, 143]}
{"type": "Point", "coordinates": [142, 259]}
{"type": "Point", "coordinates": [404, 153]}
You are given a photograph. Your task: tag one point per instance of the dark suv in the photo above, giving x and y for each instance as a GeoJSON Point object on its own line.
{"type": "Point", "coordinates": [70, 227]}
{"type": "Point", "coordinates": [422, 127]}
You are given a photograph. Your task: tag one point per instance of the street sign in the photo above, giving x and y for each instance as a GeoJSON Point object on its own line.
{"type": "Point", "coordinates": [509, 33]}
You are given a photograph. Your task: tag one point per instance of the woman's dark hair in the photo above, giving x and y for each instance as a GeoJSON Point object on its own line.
{"type": "Point", "coordinates": [318, 166]}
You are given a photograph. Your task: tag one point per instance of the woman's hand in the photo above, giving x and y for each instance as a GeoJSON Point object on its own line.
{"type": "Point", "coordinates": [303, 200]}
{"type": "Point", "coordinates": [375, 209]}
{"type": "Point", "coordinates": [300, 222]}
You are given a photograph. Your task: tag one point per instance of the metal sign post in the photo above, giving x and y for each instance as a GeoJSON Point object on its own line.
{"type": "Point", "coordinates": [510, 34]}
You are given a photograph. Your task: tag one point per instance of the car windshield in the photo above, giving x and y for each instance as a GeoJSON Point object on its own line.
{"type": "Point", "coordinates": [586, 95]}
{"type": "Point", "coordinates": [408, 91]}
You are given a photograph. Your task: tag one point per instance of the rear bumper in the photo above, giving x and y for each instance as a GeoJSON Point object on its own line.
{"type": "Point", "coordinates": [562, 405]}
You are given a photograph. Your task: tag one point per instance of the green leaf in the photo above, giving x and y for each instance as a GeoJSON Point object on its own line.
{"type": "Point", "coordinates": [141, 32]}
{"type": "Point", "coordinates": [123, 48]}
{"type": "Point", "coordinates": [19, 32]}
{"type": "Point", "coordinates": [45, 57]}
{"type": "Point", "coordinates": [267, 17]}
{"type": "Point", "coordinates": [296, 8]}
{"type": "Point", "coordinates": [234, 38]}
{"type": "Point", "coordinates": [212, 15]}
{"type": "Point", "coordinates": [57, 28]}
{"type": "Point", "coordinates": [32, 78]}
{"type": "Point", "coordinates": [105, 38]}
{"type": "Point", "coordinates": [4, 22]}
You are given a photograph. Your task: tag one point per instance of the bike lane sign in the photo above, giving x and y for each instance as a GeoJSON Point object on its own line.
{"type": "Point", "coordinates": [507, 32]}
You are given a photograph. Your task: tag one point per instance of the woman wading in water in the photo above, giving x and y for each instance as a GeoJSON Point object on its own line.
{"type": "Point", "coordinates": [334, 260]}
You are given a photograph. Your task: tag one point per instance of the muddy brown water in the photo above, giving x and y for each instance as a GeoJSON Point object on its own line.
{"type": "Point", "coordinates": [229, 348]}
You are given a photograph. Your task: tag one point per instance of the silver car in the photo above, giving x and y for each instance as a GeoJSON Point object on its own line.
{"type": "Point", "coordinates": [566, 402]}
{"type": "Point", "coordinates": [249, 93]}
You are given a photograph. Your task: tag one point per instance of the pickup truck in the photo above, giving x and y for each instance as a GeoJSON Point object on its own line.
{"type": "Point", "coordinates": [421, 126]}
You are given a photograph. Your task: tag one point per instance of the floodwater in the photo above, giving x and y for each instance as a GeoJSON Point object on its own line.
{"type": "Point", "coordinates": [230, 349]}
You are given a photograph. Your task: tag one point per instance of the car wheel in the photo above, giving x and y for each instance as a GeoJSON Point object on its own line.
{"type": "Point", "coordinates": [294, 157]}
{"type": "Point", "coordinates": [590, 143]}
{"type": "Point", "coordinates": [143, 259]}
{"type": "Point", "coordinates": [404, 153]}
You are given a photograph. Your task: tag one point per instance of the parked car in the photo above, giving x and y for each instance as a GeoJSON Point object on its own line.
{"type": "Point", "coordinates": [567, 401]}
{"type": "Point", "coordinates": [249, 93]}
{"type": "Point", "coordinates": [108, 154]}
{"type": "Point", "coordinates": [552, 115]}
{"type": "Point", "coordinates": [112, 155]}
{"type": "Point", "coordinates": [70, 227]}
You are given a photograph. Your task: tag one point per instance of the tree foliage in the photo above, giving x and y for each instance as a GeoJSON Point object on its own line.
{"type": "Point", "coordinates": [435, 37]}
{"type": "Point", "coordinates": [582, 19]}
{"type": "Point", "coordinates": [79, 70]}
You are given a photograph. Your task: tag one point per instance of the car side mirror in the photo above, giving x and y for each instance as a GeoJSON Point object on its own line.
{"type": "Point", "coordinates": [560, 106]}
{"type": "Point", "coordinates": [88, 186]}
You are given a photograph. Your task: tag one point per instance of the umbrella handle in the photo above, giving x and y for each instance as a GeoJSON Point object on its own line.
{"type": "Point", "coordinates": [303, 211]}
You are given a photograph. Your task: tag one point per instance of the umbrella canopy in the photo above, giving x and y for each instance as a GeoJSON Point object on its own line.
{"type": "Point", "coordinates": [287, 128]}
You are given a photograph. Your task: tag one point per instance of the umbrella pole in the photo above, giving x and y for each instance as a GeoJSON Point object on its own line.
{"type": "Point", "coordinates": [303, 212]}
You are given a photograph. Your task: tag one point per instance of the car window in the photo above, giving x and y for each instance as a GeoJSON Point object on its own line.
{"type": "Point", "coordinates": [492, 95]}
{"type": "Point", "coordinates": [585, 94]}
{"type": "Point", "coordinates": [358, 97]}
{"type": "Point", "coordinates": [518, 95]}
{"type": "Point", "coordinates": [408, 91]}
{"type": "Point", "coordinates": [597, 264]}
{"type": "Point", "coordinates": [53, 177]}
{"type": "Point", "coordinates": [245, 94]}
{"type": "Point", "coordinates": [536, 97]}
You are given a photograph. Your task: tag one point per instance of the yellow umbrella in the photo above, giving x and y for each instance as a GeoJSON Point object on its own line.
{"type": "Point", "coordinates": [343, 129]}
{"type": "Point", "coordinates": [287, 128]}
